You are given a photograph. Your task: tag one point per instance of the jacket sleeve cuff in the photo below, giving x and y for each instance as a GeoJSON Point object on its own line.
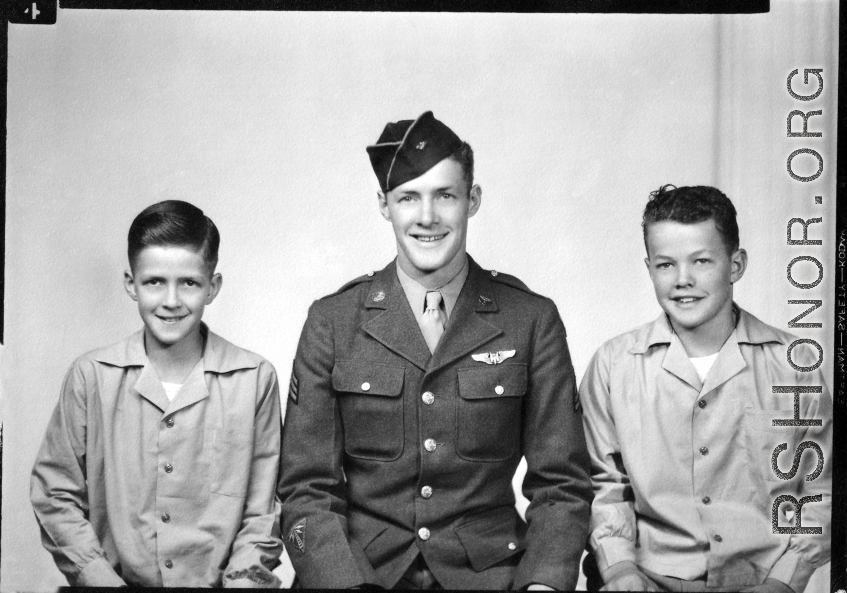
{"type": "Point", "coordinates": [98, 573]}
{"type": "Point", "coordinates": [612, 550]}
{"type": "Point", "coordinates": [792, 570]}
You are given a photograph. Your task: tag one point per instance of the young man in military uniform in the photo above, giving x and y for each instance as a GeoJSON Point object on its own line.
{"type": "Point", "coordinates": [415, 392]}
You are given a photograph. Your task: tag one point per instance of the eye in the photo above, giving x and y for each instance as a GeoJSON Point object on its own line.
{"type": "Point", "coordinates": [404, 199]}
{"type": "Point", "coordinates": [663, 265]}
{"type": "Point", "coordinates": [447, 196]}
{"type": "Point", "coordinates": [190, 283]}
{"type": "Point", "coordinates": [703, 260]}
{"type": "Point", "coordinates": [153, 282]}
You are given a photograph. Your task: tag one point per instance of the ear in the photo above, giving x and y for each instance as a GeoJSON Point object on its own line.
{"type": "Point", "coordinates": [129, 285]}
{"type": "Point", "coordinates": [475, 198]}
{"type": "Point", "coordinates": [214, 287]}
{"type": "Point", "coordinates": [738, 263]}
{"type": "Point", "coordinates": [383, 205]}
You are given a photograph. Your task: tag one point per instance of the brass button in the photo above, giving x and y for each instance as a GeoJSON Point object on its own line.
{"type": "Point", "coordinates": [494, 273]}
{"type": "Point", "coordinates": [706, 500]}
{"type": "Point", "coordinates": [718, 538]}
{"type": "Point", "coordinates": [428, 398]}
{"type": "Point", "coordinates": [426, 491]}
{"type": "Point", "coordinates": [166, 518]}
{"type": "Point", "coordinates": [423, 533]}
{"type": "Point", "coordinates": [702, 403]}
{"type": "Point", "coordinates": [430, 445]}
{"type": "Point", "coordinates": [499, 390]}
{"type": "Point", "coordinates": [513, 546]}
{"type": "Point", "coordinates": [370, 274]}
{"type": "Point", "coordinates": [366, 386]}
{"type": "Point", "coordinates": [169, 468]}
{"type": "Point", "coordinates": [169, 422]}
{"type": "Point", "coordinates": [704, 450]}
{"type": "Point", "coordinates": [169, 564]}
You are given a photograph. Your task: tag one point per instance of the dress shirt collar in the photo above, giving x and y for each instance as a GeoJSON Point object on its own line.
{"type": "Point", "coordinates": [748, 330]}
{"type": "Point", "coordinates": [218, 355]}
{"type": "Point", "coordinates": [416, 292]}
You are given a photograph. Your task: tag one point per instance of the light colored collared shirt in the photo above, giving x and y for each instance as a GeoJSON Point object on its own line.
{"type": "Point", "coordinates": [682, 469]}
{"type": "Point", "coordinates": [163, 493]}
{"type": "Point", "coordinates": [416, 292]}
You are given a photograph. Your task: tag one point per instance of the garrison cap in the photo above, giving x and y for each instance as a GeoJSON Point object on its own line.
{"type": "Point", "coordinates": [409, 148]}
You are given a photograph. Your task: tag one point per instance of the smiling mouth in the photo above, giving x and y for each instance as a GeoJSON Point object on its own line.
{"type": "Point", "coordinates": [171, 320]}
{"type": "Point", "coordinates": [429, 238]}
{"type": "Point", "coordinates": [686, 300]}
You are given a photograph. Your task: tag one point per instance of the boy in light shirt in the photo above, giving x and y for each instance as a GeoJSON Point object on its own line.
{"type": "Point", "coordinates": [679, 423]}
{"type": "Point", "coordinates": [159, 464]}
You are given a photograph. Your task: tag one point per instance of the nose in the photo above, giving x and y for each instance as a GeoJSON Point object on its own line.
{"type": "Point", "coordinates": [683, 276]}
{"type": "Point", "coordinates": [428, 214]}
{"type": "Point", "coordinates": [172, 298]}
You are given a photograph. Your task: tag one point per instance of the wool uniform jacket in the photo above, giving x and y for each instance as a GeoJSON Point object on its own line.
{"type": "Point", "coordinates": [390, 452]}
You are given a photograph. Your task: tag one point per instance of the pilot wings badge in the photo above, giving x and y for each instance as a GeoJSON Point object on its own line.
{"type": "Point", "coordinates": [297, 536]}
{"type": "Point", "coordinates": [493, 357]}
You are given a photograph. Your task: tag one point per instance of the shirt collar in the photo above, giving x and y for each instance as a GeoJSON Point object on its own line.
{"type": "Point", "coordinates": [748, 330]}
{"type": "Point", "coordinates": [219, 356]}
{"type": "Point", "coordinates": [416, 292]}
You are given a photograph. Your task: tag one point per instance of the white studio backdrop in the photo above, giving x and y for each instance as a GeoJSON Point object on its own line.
{"type": "Point", "coordinates": [261, 119]}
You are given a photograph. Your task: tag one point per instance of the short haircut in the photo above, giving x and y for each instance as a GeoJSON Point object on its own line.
{"type": "Point", "coordinates": [690, 205]}
{"type": "Point", "coordinates": [464, 156]}
{"type": "Point", "coordinates": [174, 223]}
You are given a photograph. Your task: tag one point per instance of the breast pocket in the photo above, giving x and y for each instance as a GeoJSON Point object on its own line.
{"type": "Point", "coordinates": [232, 454]}
{"type": "Point", "coordinates": [488, 415]}
{"type": "Point", "coordinates": [371, 408]}
{"type": "Point", "coordinates": [762, 437]}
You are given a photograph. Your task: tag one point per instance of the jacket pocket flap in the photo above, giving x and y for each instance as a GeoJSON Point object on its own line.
{"type": "Point", "coordinates": [507, 380]}
{"type": "Point", "coordinates": [492, 536]}
{"type": "Point", "coordinates": [367, 378]}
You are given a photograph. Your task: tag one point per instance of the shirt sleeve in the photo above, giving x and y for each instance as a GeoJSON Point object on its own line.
{"type": "Point", "coordinates": [612, 530]}
{"type": "Point", "coordinates": [258, 545]}
{"type": "Point", "coordinates": [808, 552]}
{"type": "Point", "coordinates": [59, 493]}
{"type": "Point", "coordinates": [312, 485]}
{"type": "Point", "coordinates": [557, 481]}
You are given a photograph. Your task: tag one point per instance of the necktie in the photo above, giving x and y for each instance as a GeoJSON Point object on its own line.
{"type": "Point", "coordinates": [432, 323]}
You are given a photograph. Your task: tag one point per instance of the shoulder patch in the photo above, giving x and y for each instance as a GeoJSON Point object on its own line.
{"type": "Point", "coordinates": [365, 278]}
{"type": "Point", "coordinates": [294, 387]}
{"type": "Point", "coordinates": [509, 280]}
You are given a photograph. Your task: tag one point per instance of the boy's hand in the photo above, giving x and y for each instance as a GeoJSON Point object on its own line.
{"type": "Point", "coordinates": [625, 576]}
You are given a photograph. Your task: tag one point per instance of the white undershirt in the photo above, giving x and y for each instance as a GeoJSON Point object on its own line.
{"type": "Point", "coordinates": [171, 389]}
{"type": "Point", "coordinates": [702, 364]}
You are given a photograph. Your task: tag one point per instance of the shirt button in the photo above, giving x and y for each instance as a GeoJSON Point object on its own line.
{"type": "Point", "coordinates": [428, 398]}
{"type": "Point", "coordinates": [423, 533]}
{"type": "Point", "coordinates": [169, 422]}
{"type": "Point", "coordinates": [430, 445]}
{"type": "Point", "coordinates": [169, 468]}
{"type": "Point", "coordinates": [513, 546]}
{"type": "Point", "coordinates": [169, 564]}
{"type": "Point", "coordinates": [702, 403]}
{"type": "Point", "coordinates": [704, 450]}
{"type": "Point", "coordinates": [370, 274]}
{"type": "Point", "coordinates": [499, 390]}
{"type": "Point", "coordinates": [426, 491]}
{"type": "Point", "coordinates": [718, 538]}
{"type": "Point", "coordinates": [166, 518]}
{"type": "Point", "coordinates": [706, 500]}
{"type": "Point", "coordinates": [366, 386]}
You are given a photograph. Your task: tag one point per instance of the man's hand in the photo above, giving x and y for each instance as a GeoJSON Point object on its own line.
{"type": "Point", "coordinates": [770, 586]}
{"type": "Point", "coordinates": [625, 576]}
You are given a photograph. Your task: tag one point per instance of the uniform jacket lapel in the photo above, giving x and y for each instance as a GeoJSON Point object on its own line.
{"type": "Point", "coordinates": [467, 327]}
{"type": "Point", "coordinates": [395, 327]}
